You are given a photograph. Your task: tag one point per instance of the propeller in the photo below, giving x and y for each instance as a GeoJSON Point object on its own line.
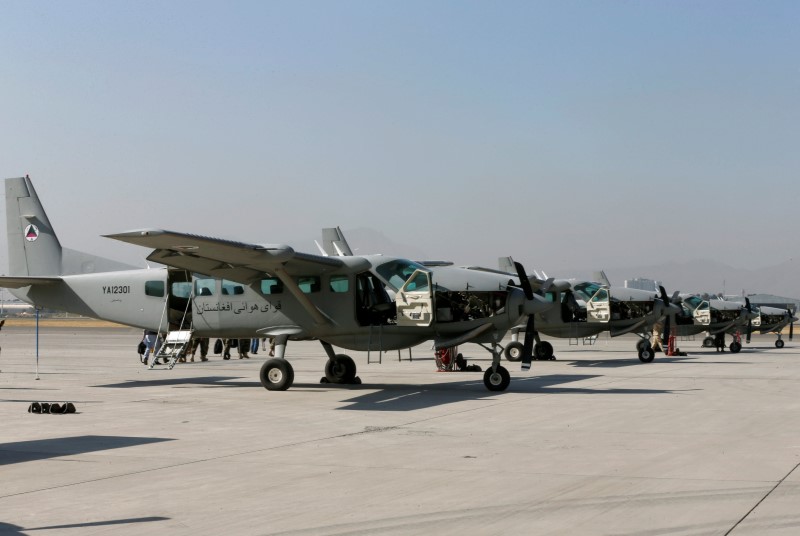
{"type": "Point", "coordinates": [749, 318]}
{"type": "Point", "coordinates": [791, 323]}
{"type": "Point", "coordinates": [527, 345]}
{"type": "Point", "coordinates": [667, 321]}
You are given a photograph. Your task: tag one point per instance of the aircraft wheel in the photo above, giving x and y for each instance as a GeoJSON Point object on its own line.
{"type": "Point", "coordinates": [496, 380]}
{"type": "Point", "coordinates": [513, 351]}
{"type": "Point", "coordinates": [735, 347]}
{"type": "Point", "coordinates": [646, 354]}
{"type": "Point", "coordinates": [708, 342]}
{"type": "Point", "coordinates": [779, 343]}
{"type": "Point", "coordinates": [546, 351]}
{"type": "Point", "coordinates": [276, 375]}
{"type": "Point", "coordinates": [340, 369]}
{"type": "Point", "coordinates": [641, 343]}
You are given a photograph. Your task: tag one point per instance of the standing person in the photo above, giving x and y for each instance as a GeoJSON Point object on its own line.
{"type": "Point", "coordinates": [152, 343]}
{"type": "Point", "coordinates": [244, 346]}
{"type": "Point", "coordinates": [719, 341]}
{"type": "Point", "coordinates": [202, 343]}
{"type": "Point", "coordinates": [254, 346]}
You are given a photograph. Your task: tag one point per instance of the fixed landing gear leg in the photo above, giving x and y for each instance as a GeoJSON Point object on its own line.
{"type": "Point", "coordinates": [496, 377]}
{"type": "Point", "coordinates": [339, 368]}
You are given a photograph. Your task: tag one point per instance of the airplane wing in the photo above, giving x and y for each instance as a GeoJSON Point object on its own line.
{"type": "Point", "coordinates": [236, 261]}
{"type": "Point", "coordinates": [27, 281]}
{"type": "Point", "coordinates": [228, 259]}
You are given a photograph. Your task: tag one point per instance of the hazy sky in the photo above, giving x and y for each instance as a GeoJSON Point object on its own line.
{"type": "Point", "coordinates": [565, 134]}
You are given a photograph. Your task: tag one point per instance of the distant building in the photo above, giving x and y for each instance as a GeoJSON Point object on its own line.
{"type": "Point", "coordinates": [642, 283]}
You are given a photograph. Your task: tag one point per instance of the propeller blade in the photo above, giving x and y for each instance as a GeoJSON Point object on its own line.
{"type": "Point", "coordinates": [749, 321]}
{"type": "Point", "coordinates": [523, 281]}
{"type": "Point", "coordinates": [666, 334]}
{"type": "Point", "coordinates": [527, 344]}
{"type": "Point", "coordinates": [664, 296]}
{"type": "Point", "coordinates": [791, 324]}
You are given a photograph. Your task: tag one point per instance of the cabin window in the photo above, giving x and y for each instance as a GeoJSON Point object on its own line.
{"type": "Point", "coordinates": [308, 284]}
{"type": "Point", "coordinates": [339, 283]}
{"type": "Point", "coordinates": [181, 289]}
{"type": "Point", "coordinates": [154, 288]}
{"type": "Point", "coordinates": [271, 285]}
{"type": "Point", "coordinates": [231, 288]}
{"type": "Point", "coordinates": [204, 286]}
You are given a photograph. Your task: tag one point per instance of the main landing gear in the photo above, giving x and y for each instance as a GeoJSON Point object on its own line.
{"type": "Point", "coordinates": [542, 351]}
{"type": "Point", "coordinates": [779, 343]}
{"type": "Point", "coordinates": [277, 373]}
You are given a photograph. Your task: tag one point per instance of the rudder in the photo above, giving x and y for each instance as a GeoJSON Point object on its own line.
{"type": "Point", "coordinates": [33, 247]}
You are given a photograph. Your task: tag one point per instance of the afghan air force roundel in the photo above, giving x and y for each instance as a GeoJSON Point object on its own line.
{"type": "Point", "coordinates": [31, 233]}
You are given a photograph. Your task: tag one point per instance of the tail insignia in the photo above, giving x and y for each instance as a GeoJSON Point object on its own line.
{"type": "Point", "coordinates": [31, 233]}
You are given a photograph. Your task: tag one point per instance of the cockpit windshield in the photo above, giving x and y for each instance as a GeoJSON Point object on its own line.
{"type": "Point", "coordinates": [397, 272]}
{"type": "Point", "coordinates": [586, 290]}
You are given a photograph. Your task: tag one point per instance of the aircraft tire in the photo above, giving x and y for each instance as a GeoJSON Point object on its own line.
{"type": "Point", "coordinates": [545, 351]}
{"type": "Point", "coordinates": [641, 343]}
{"type": "Point", "coordinates": [513, 351]}
{"type": "Point", "coordinates": [496, 380]}
{"type": "Point", "coordinates": [646, 354]}
{"type": "Point", "coordinates": [735, 347]}
{"type": "Point", "coordinates": [340, 369]}
{"type": "Point", "coordinates": [779, 343]}
{"type": "Point", "coordinates": [276, 374]}
{"type": "Point", "coordinates": [708, 342]}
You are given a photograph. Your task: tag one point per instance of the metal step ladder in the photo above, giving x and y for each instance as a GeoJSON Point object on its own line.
{"type": "Point", "coordinates": [174, 347]}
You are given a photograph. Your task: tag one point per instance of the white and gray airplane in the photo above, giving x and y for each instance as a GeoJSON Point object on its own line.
{"type": "Point", "coordinates": [213, 287]}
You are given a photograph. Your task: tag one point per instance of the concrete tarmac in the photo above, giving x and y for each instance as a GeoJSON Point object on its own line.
{"type": "Point", "coordinates": [593, 443]}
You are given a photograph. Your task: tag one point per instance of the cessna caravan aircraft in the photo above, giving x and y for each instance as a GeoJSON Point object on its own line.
{"type": "Point", "coordinates": [213, 287]}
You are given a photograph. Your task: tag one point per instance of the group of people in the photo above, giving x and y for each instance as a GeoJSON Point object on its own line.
{"type": "Point", "coordinates": [151, 343]}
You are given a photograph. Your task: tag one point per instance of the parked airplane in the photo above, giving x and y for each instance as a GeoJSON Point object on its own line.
{"type": "Point", "coordinates": [714, 316]}
{"type": "Point", "coordinates": [580, 309]}
{"type": "Point", "coordinates": [223, 288]}
{"type": "Point", "coordinates": [587, 308]}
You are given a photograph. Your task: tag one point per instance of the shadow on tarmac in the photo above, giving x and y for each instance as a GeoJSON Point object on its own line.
{"type": "Point", "coordinates": [44, 449]}
{"type": "Point", "coordinates": [7, 528]}
{"type": "Point", "coordinates": [414, 397]}
{"type": "Point", "coordinates": [210, 381]}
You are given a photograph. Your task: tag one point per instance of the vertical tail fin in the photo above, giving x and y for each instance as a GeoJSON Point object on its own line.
{"type": "Point", "coordinates": [33, 247]}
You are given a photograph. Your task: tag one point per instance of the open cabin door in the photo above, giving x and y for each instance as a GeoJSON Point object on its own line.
{"type": "Point", "coordinates": [702, 313]}
{"type": "Point", "coordinates": [598, 308]}
{"type": "Point", "coordinates": [179, 283]}
{"type": "Point", "coordinates": [415, 300]}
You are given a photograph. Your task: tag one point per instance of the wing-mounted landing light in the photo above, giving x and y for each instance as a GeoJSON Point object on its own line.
{"type": "Point", "coordinates": [527, 345]}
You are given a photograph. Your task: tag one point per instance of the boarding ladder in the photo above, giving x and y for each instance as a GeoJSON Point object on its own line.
{"type": "Point", "coordinates": [379, 359]}
{"type": "Point", "coordinates": [175, 346]}
{"type": "Point", "coordinates": [178, 341]}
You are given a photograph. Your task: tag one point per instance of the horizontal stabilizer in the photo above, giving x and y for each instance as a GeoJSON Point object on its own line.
{"type": "Point", "coordinates": [27, 281]}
